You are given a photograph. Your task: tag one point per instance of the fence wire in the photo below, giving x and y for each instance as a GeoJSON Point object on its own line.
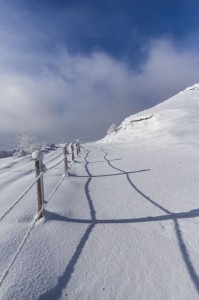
{"type": "Point", "coordinates": [21, 196]}
{"type": "Point", "coordinates": [34, 222]}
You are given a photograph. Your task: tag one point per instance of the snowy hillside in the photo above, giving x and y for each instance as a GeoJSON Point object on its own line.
{"type": "Point", "coordinates": [176, 120]}
{"type": "Point", "coordinates": [121, 224]}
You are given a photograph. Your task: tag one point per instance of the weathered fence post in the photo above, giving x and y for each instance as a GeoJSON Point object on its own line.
{"type": "Point", "coordinates": [76, 146]}
{"type": "Point", "coordinates": [65, 158]}
{"type": "Point", "coordinates": [38, 156]}
{"type": "Point", "coordinates": [72, 149]}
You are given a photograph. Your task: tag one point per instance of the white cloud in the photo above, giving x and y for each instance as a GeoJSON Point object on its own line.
{"type": "Point", "coordinates": [168, 69]}
{"type": "Point", "coordinates": [69, 96]}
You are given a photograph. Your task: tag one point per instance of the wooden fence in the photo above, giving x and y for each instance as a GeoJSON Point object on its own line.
{"type": "Point", "coordinates": [38, 157]}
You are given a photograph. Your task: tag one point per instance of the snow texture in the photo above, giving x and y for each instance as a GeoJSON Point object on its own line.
{"type": "Point", "coordinates": [122, 224]}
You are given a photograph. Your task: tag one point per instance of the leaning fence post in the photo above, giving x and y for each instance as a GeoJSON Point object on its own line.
{"type": "Point", "coordinates": [38, 156]}
{"type": "Point", "coordinates": [65, 158]}
{"type": "Point", "coordinates": [72, 149]}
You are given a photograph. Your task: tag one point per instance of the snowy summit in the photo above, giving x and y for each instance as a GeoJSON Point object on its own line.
{"type": "Point", "coordinates": [121, 224]}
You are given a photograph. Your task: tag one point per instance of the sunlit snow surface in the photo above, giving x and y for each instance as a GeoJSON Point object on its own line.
{"type": "Point", "coordinates": [124, 223]}
{"type": "Point", "coordinates": [175, 121]}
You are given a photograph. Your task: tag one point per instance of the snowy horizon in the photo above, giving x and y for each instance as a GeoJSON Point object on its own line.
{"type": "Point", "coordinates": [15, 143]}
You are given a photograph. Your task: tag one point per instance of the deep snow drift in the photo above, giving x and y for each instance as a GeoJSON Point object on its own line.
{"type": "Point", "coordinates": [124, 221]}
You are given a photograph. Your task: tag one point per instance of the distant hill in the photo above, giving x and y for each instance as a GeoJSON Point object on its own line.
{"type": "Point", "coordinates": [175, 119]}
{"type": "Point", "coordinates": [4, 154]}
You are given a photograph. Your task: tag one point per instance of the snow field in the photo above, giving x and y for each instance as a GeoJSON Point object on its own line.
{"type": "Point", "coordinates": [118, 227]}
{"type": "Point", "coordinates": [124, 222]}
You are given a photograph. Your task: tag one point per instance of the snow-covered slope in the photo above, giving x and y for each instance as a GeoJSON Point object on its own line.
{"type": "Point", "coordinates": [122, 224]}
{"type": "Point", "coordinates": [176, 120]}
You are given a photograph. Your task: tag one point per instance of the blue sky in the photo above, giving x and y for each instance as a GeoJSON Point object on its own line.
{"type": "Point", "coordinates": [71, 68]}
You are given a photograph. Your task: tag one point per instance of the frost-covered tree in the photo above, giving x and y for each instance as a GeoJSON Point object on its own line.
{"type": "Point", "coordinates": [27, 142]}
{"type": "Point", "coordinates": [112, 128]}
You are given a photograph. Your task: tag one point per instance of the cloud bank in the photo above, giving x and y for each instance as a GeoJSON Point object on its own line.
{"type": "Point", "coordinates": [65, 96]}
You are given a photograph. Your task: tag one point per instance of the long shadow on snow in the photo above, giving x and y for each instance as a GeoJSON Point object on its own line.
{"type": "Point", "coordinates": [174, 217]}
{"type": "Point", "coordinates": [94, 162]}
{"type": "Point", "coordinates": [63, 280]}
{"type": "Point", "coordinates": [107, 175]}
{"type": "Point", "coordinates": [52, 216]}
{"type": "Point", "coordinates": [87, 191]}
{"type": "Point", "coordinates": [55, 292]}
{"type": "Point", "coordinates": [182, 246]}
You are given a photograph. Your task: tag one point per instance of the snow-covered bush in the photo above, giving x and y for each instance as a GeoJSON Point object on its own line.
{"type": "Point", "coordinates": [112, 128]}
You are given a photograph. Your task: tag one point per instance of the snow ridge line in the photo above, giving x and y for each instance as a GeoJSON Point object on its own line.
{"type": "Point", "coordinates": [31, 228]}
{"type": "Point", "coordinates": [21, 196]}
